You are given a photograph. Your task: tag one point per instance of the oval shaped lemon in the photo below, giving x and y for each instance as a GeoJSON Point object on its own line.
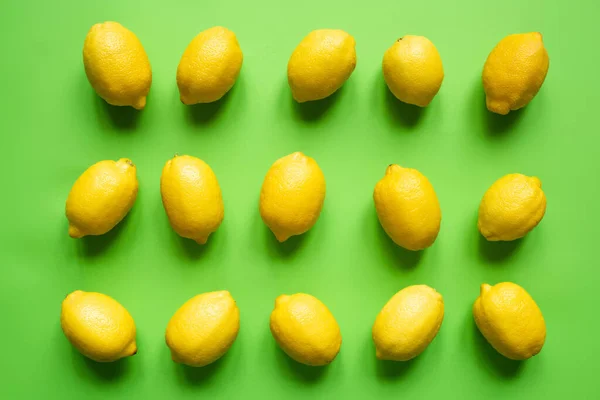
{"type": "Point", "coordinates": [203, 329]}
{"type": "Point", "coordinates": [292, 195]}
{"type": "Point", "coordinates": [321, 63]}
{"type": "Point", "coordinates": [510, 320]}
{"type": "Point", "coordinates": [514, 72]}
{"type": "Point", "coordinates": [98, 326]}
{"type": "Point", "coordinates": [101, 197]}
{"type": "Point", "coordinates": [408, 208]}
{"type": "Point", "coordinates": [511, 207]}
{"type": "Point", "coordinates": [408, 323]}
{"type": "Point", "coordinates": [116, 65]}
{"type": "Point", "coordinates": [209, 66]}
{"type": "Point", "coordinates": [413, 71]}
{"type": "Point", "coordinates": [192, 197]}
{"type": "Point", "coordinates": [305, 329]}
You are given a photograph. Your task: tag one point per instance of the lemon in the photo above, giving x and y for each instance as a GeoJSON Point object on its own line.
{"type": "Point", "coordinates": [511, 207]}
{"type": "Point", "coordinates": [514, 72]}
{"type": "Point", "coordinates": [101, 197]}
{"type": "Point", "coordinates": [203, 329]}
{"type": "Point", "coordinates": [510, 320]}
{"type": "Point", "coordinates": [116, 65]}
{"type": "Point", "coordinates": [192, 197]}
{"type": "Point", "coordinates": [209, 67]}
{"type": "Point", "coordinates": [408, 323]}
{"type": "Point", "coordinates": [413, 71]}
{"type": "Point", "coordinates": [321, 63]}
{"type": "Point", "coordinates": [305, 329]}
{"type": "Point", "coordinates": [98, 326]}
{"type": "Point", "coordinates": [292, 195]}
{"type": "Point", "coordinates": [408, 208]}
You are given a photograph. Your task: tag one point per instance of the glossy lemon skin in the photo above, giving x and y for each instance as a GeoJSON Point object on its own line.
{"type": "Point", "coordinates": [292, 195]}
{"type": "Point", "coordinates": [209, 66]}
{"type": "Point", "coordinates": [117, 65]}
{"type": "Point", "coordinates": [203, 329]}
{"type": "Point", "coordinates": [305, 329]}
{"type": "Point", "coordinates": [511, 208]}
{"type": "Point", "coordinates": [101, 197]}
{"type": "Point", "coordinates": [514, 72]}
{"type": "Point", "coordinates": [408, 208]}
{"type": "Point", "coordinates": [408, 323]}
{"type": "Point", "coordinates": [98, 326]}
{"type": "Point", "coordinates": [510, 320]}
{"type": "Point", "coordinates": [413, 70]}
{"type": "Point", "coordinates": [321, 64]}
{"type": "Point", "coordinates": [192, 198]}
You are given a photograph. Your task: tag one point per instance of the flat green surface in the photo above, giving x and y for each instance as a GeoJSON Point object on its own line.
{"type": "Point", "coordinates": [54, 126]}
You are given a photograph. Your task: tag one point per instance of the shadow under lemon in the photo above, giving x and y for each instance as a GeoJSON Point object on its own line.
{"type": "Point", "coordinates": [406, 115]}
{"type": "Point", "coordinates": [296, 370]}
{"type": "Point", "coordinates": [401, 257]}
{"type": "Point", "coordinates": [100, 372]}
{"type": "Point", "coordinates": [123, 118]}
{"type": "Point", "coordinates": [494, 362]}
{"type": "Point", "coordinates": [94, 246]}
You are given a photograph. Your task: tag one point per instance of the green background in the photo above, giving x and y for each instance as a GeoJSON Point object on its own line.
{"type": "Point", "coordinates": [54, 127]}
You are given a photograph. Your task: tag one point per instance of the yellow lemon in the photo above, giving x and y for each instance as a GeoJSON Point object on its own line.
{"type": "Point", "coordinates": [412, 69]}
{"type": "Point", "coordinates": [408, 323]}
{"type": "Point", "coordinates": [203, 329]}
{"type": "Point", "coordinates": [408, 208]}
{"type": "Point", "coordinates": [305, 329]}
{"type": "Point", "coordinates": [101, 197]}
{"type": "Point", "coordinates": [321, 63]}
{"type": "Point", "coordinates": [510, 320]}
{"type": "Point", "coordinates": [514, 72]}
{"type": "Point", "coordinates": [511, 207]}
{"type": "Point", "coordinates": [209, 67]}
{"type": "Point", "coordinates": [116, 65]}
{"type": "Point", "coordinates": [292, 195]}
{"type": "Point", "coordinates": [98, 326]}
{"type": "Point", "coordinates": [192, 197]}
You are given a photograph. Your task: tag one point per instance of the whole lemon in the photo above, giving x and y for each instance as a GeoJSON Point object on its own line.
{"type": "Point", "coordinates": [408, 322]}
{"type": "Point", "coordinates": [209, 67]}
{"type": "Point", "coordinates": [116, 65]}
{"type": "Point", "coordinates": [510, 320]}
{"type": "Point", "coordinates": [203, 329]}
{"type": "Point", "coordinates": [192, 197]}
{"type": "Point", "coordinates": [412, 69]}
{"type": "Point", "coordinates": [321, 63]}
{"type": "Point", "coordinates": [98, 326]}
{"type": "Point", "coordinates": [514, 72]}
{"type": "Point", "coordinates": [305, 329]}
{"type": "Point", "coordinates": [101, 197]}
{"type": "Point", "coordinates": [292, 195]}
{"type": "Point", "coordinates": [511, 207]}
{"type": "Point", "coordinates": [408, 208]}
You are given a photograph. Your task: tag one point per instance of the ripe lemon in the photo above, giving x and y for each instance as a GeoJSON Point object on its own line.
{"type": "Point", "coordinates": [510, 320]}
{"type": "Point", "coordinates": [101, 197]}
{"type": "Point", "coordinates": [408, 208]}
{"type": "Point", "coordinates": [321, 63]}
{"type": "Point", "coordinates": [305, 329]}
{"type": "Point", "coordinates": [511, 207]}
{"type": "Point", "coordinates": [192, 197]}
{"type": "Point", "coordinates": [408, 323]}
{"type": "Point", "coordinates": [514, 72]}
{"type": "Point", "coordinates": [209, 66]}
{"type": "Point", "coordinates": [292, 195]}
{"type": "Point", "coordinates": [98, 326]}
{"type": "Point", "coordinates": [412, 69]}
{"type": "Point", "coordinates": [116, 65]}
{"type": "Point", "coordinates": [203, 329]}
